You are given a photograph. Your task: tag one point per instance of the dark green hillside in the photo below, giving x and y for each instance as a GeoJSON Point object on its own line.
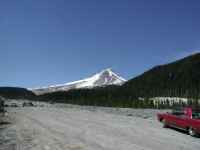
{"type": "Point", "coordinates": [16, 93]}
{"type": "Point", "coordinates": [180, 78]}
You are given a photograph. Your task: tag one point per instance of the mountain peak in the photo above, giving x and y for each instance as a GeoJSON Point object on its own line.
{"type": "Point", "coordinates": [111, 73]}
{"type": "Point", "coordinates": [108, 70]}
{"type": "Point", "coordinates": [104, 78]}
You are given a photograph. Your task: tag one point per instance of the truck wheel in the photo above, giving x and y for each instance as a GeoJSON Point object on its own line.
{"type": "Point", "coordinates": [164, 123]}
{"type": "Point", "coordinates": [192, 132]}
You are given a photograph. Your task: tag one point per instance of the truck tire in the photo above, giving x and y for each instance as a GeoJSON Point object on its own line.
{"type": "Point", "coordinates": [164, 123]}
{"type": "Point", "coordinates": [192, 132]}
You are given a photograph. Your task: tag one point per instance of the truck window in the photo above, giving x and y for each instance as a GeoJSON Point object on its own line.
{"type": "Point", "coordinates": [177, 112]}
{"type": "Point", "coordinates": [196, 115]}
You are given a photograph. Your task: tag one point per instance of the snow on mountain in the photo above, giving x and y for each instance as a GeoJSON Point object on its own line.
{"type": "Point", "coordinates": [104, 78]}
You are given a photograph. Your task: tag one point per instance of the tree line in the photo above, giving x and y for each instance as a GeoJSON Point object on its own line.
{"type": "Point", "coordinates": [178, 79]}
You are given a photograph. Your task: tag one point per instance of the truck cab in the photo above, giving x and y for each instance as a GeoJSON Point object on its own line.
{"type": "Point", "coordinates": [187, 118]}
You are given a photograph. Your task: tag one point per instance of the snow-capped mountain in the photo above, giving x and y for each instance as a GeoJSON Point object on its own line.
{"type": "Point", "coordinates": [104, 78]}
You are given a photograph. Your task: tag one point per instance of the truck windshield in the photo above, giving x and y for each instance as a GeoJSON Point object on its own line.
{"type": "Point", "coordinates": [196, 115]}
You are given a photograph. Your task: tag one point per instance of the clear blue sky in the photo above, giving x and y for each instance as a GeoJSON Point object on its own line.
{"type": "Point", "coordinates": [45, 42]}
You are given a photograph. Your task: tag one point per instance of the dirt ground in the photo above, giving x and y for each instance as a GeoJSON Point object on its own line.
{"type": "Point", "coordinates": [89, 128]}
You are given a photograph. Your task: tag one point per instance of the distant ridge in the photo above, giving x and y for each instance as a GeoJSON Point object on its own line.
{"type": "Point", "coordinates": [180, 78]}
{"type": "Point", "coordinates": [16, 93]}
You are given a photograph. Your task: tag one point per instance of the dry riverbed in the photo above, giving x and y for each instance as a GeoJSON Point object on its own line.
{"type": "Point", "coordinates": [69, 127]}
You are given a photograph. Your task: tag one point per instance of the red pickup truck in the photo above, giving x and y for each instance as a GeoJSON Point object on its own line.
{"type": "Point", "coordinates": [183, 118]}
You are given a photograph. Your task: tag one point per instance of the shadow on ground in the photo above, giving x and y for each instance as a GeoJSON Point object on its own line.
{"type": "Point", "coordinates": [182, 131]}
